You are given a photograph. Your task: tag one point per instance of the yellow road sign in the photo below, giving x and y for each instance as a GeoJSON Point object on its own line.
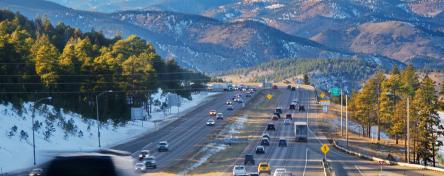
{"type": "Point", "coordinates": [325, 149]}
{"type": "Point", "coordinates": [269, 96]}
{"type": "Point", "coordinates": [322, 95]}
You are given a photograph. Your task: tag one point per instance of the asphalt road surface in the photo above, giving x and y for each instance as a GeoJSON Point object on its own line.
{"type": "Point", "coordinates": [185, 134]}
{"type": "Point", "coordinates": [305, 158]}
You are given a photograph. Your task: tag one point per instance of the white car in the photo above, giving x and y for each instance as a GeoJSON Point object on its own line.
{"type": "Point", "coordinates": [210, 122]}
{"type": "Point", "coordinates": [229, 102]}
{"type": "Point", "coordinates": [239, 170]}
{"type": "Point", "coordinates": [140, 167]}
{"type": "Point", "coordinates": [280, 172]}
{"type": "Point", "coordinates": [143, 154]}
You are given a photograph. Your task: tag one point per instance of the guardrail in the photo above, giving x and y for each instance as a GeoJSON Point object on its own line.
{"type": "Point", "coordinates": [384, 160]}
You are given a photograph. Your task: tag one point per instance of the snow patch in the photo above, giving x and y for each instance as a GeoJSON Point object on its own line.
{"type": "Point", "coordinates": [356, 128]}
{"type": "Point", "coordinates": [208, 150]}
{"type": "Point", "coordinates": [275, 6]}
{"type": "Point", "coordinates": [16, 133]}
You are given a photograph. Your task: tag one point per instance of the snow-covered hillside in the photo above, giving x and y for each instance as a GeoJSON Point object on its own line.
{"type": "Point", "coordinates": [58, 131]}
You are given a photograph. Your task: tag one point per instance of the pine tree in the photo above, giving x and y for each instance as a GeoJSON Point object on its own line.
{"type": "Point", "coordinates": [409, 81]}
{"type": "Point", "coordinates": [68, 60]}
{"type": "Point", "coordinates": [367, 101]}
{"type": "Point", "coordinates": [395, 70]}
{"type": "Point", "coordinates": [390, 91]}
{"type": "Point", "coordinates": [428, 125]}
{"type": "Point", "coordinates": [441, 94]}
{"type": "Point", "coordinates": [379, 78]}
{"type": "Point", "coordinates": [46, 60]}
{"type": "Point", "coordinates": [306, 80]}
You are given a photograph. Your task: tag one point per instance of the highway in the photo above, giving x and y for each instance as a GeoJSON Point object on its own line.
{"type": "Point", "coordinates": [297, 157]}
{"type": "Point", "coordinates": [184, 135]}
{"type": "Point", "coordinates": [302, 158]}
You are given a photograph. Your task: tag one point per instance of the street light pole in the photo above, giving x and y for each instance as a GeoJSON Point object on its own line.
{"type": "Point", "coordinates": [97, 114]}
{"type": "Point", "coordinates": [32, 126]}
{"type": "Point", "coordinates": [342, 131]}
{"type": "Point", "coordinates": [346, 118]}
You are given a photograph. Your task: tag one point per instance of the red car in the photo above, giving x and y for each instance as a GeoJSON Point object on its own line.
{"type": "Point", "coordinates": [274, 117]}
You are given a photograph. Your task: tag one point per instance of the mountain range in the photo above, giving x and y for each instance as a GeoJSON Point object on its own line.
{"type": "Point", "coordinates": [214, 36]}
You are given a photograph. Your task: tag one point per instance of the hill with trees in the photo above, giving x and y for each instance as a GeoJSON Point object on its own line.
{"type": "Point", "coordinates": [347, 73]}
{"type": "Point", "coordinates": [38, 60]}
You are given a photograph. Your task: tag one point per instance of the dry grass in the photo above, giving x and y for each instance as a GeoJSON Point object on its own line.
{"type": "Point", "coordinates": [258, 114]}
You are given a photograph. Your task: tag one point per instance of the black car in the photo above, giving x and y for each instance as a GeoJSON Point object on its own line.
{"type": "Point", "coordinates": [278, 110]}
{"type": "Point", "coordinates": [265, 142]}
{"type": "Point", "coordinates": [162, 146]}
{"type": "Point", "coordinates": [293, 88]}
{"type": "Point", "coordinates": [282, 143]}
{"type": "Point", "coordinates": [277, 114]}
{"type": "Point", "coordinates": [271, 127]}
{"type": "Point", "coordinates": [293, 107]}
{"type": "Point", "coordinates": [260, 149]}
{"type": "Point", "coordinates": [301, 108]}
{"type": "Point", "coordinates": [288, 86]}
{"type": "Point", "coordinates": [90, 164]}
{"type": "Point", "coordinates": [249, 158]}
{"type": "Point", "coordinates": [150, 162]}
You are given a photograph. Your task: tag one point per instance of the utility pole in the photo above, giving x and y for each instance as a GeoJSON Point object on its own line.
{"type": "Point", "coordinates": [342, 131]}
{"type": "Point", "coordinates": [32, 126]}
{"type": "Point", "coordinates": [346, 118]}
{"type": "Point", "coordinates": [97, 114]}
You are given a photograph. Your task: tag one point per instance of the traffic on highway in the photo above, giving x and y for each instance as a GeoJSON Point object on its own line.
{"type": "Point", "coordinates": [287, 145]}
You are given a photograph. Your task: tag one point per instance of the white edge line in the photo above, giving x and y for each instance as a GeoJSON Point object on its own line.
{"type": "Point", "coordinates": [359, 170]}
{"type": "Point", "coordinates": [306, 160]}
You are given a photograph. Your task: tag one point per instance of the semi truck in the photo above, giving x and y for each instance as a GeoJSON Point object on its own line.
{"type": "Point", "coordinates": [300, 131]}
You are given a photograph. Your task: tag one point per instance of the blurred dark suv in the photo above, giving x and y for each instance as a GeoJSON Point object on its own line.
{"type": "Point", "coordinates": [90, 164]}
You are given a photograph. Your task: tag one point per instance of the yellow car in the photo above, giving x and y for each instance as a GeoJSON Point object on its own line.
{"type": "Point", "coordinates": [264, 167]}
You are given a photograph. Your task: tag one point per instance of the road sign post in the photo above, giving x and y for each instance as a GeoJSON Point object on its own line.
{"type": "Point", "coordinates": [381, 163]}
{"type": "Point", "coordinates": [325, 149]}
{"type": "Point", "coordinates": [322, 95]}
{"type": "Point", "coordinates": [335, 91]}
{"type": "Point", "coordinates": [269, 96]}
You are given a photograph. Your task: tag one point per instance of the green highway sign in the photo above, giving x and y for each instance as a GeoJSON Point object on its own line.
{"type": "Point", "coordinates": [335, 91]}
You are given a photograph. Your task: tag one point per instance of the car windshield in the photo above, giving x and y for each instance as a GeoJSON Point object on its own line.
{"type": "Point", "coordinates": [240, 168]}
{"type": "Point", "coordinates": [264, 165]}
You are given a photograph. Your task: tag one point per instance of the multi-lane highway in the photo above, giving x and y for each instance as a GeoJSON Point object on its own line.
{"type": "Point", "coordinates": [305, 158]}
{"type": "Point", "coordinates": [185, 135]}
{"type": "Point", "coordinates": [189, 133]}
{"type": "Point", "coordinates": [297, 157]}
